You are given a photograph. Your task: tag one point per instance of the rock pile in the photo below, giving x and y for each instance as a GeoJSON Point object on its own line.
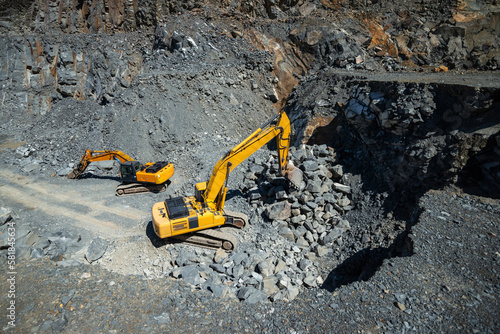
{"type": "Point", "coordinates": [291, 232]}
{"type": "Point", "coordinates": [308, 216]}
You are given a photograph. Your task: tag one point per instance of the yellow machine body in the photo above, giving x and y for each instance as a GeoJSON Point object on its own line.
{"type": "Point", "coordinates": [159, 177]}
{"type": "Point", "coordinates": [182, 215]}
{"type": "Point", "coordinates": [204, 210]}
{"type": "Point", "coordinates": [130, 170]}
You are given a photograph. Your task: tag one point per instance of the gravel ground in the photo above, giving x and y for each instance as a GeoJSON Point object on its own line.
{"type": "Point", "coordinates": [449, 284]}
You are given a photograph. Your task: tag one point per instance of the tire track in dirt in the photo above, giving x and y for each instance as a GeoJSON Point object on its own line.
{"type": "Point", "coordinates": [56, 201]}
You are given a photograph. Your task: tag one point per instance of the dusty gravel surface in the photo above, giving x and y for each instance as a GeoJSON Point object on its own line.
{"type": "Point", "coordinates": [437, 289]}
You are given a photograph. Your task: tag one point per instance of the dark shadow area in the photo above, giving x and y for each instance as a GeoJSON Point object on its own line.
{"type": "Point", "coordinates": [233, 193]}
{"type": "Point", "coordinates": [364, 264]}
{"type": "Point", "coordinates": [88, 175]}
{"type": "Point", "coordinates": [481, 174]}
{"type": "Point", "coordinates": [155, 240]}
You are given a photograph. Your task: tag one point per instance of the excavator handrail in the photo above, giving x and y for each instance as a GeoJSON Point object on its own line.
{"type": "Point", "coordinates": [259, 138]}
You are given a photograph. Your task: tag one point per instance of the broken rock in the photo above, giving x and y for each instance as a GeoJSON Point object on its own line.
{"type": "Point", "coordinates": [96, 249]}
{"type": "Point", "coordinates": [281, 211]}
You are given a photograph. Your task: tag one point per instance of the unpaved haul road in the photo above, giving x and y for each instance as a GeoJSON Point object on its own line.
{"type": "Point", "coordinates": [77, 203]}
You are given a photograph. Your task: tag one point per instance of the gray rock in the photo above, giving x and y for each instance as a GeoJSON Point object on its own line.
{"type": "Point", "coordinates": [314, 186]}
{"type": "Point", "coordinates": [65, 300]}
{"type": "Point", "coordinates": [321, 251]}
{"type": "Point", "coordinates": [251, 295]}
{"type": "Point", "coordinates": [184, 259]}
{"type": "Point", "coordinates": [218, 268]}
{"type": "Point", "coordinates": [190, 274]}
{"type": "Point", "coordinates": [280, 195]}
{"type": "Point", "coordinates": [64, 171]}
{"type": "Point", "coordinates": [310, 281]}
{"type": "Point", "coordinates": [265, 268]}
{"type": "Point", "coordinates": [400, 297]}
{"type": "Point", "coordinates": [302, 242]}
{"type": "Point", "coordinates": [96, 249]}
{"type": "Point", "coordinates": [281, 210]}
{"type": "Point", "coordinates": [286, 233]}
{"type": "Point", "coordinates": [298, 219]}
{"type": "Point", "coordinates": [277, 180]}
{"type": "Point", "coordinates": [220, 254]}
{"type": "Point", "coordinates": [219, 290]}
{"type": "Point", "coordinates": [344, 201]}
{"type": "Point", "coordinates": [254, 195]}
{"type": "Point", "coordinates": [344, 225]}
{"type": "Point", "coordinates": [104, 165]}
{"type": "Point", "coordinates": [291, 292]}
{"type": "Point", "coordinates": [176, 272]}
{"type": "Point", "coordinates": [300, 231]}
{"type": "Point", "coordinates": [333, 235]}
{"type": "Point", "coordinates": [30, 167]}
{"type": "Point", "coordinates": [237, 257]}
{"type": "Point", "coordinates": [341, 187]}
{"type": "Point", "coordinates": [37, 253]}
{"type": "Point", "coordinates": [258, 277]}
{"type": "Point", "coordinates": [337, 171]}
{"type": "Point", "coordinates": [269, 285]}
{"type": "Point", "coordinates": [305, 264]}
{"type": "Point", "coordinates": [311, 205]}
{"type": "Point", "coordinates": [309, 237]}
{"type": "Point", "coordinates": [163, 318]}
{"type": "Point", "coordinates": [310, 165]}
{"type": "Point", "coordinates": [238, 271]}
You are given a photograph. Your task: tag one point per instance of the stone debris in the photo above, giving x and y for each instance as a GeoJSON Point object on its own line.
{"type": "Point", "coordinates": [96, 249]}
{"type": "Point", "coordinates": [300, 225]}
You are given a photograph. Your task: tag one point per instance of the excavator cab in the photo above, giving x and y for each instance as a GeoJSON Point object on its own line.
{"type": "Point", "coordinates": [128, 170]}
{"type": "Point", "coordinates": [199, 190]}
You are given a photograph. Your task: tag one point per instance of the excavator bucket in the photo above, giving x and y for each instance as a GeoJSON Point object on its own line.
{"type": "Point", "coordinates": [294, 175]}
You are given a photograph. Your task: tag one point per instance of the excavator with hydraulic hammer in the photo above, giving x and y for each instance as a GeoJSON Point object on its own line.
{"type": "Point", "coordinates": [193, 219]}
{"type": "Point", "coordinates": [135, 177]}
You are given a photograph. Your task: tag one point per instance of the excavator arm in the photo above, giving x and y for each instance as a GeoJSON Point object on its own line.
{"type": "Point", "coordinates": [91, 156]}
{"type": "Point", "coordinates": [278, 127]}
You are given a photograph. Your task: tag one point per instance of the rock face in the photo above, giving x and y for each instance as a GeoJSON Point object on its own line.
{"type": "Point", "coordinates": [413, 135]}
{"type": "Point", "coordinates": [41, 69]}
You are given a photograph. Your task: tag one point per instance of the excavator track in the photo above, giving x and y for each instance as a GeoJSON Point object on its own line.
{"type": "Point", "coordinates": [138, 188]}
{"type": "Point", "coordinates": [211, 239]}
{"type": "Point", "coordinates": [214, 239]}
{"type": "Point", "coordinates": [236, 219]}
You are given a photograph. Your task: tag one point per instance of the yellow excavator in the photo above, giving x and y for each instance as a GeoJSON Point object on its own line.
{"type": "Point", "coordinates": [135, 177]}
{"type": "Point", "coordinates": [193, 218]}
